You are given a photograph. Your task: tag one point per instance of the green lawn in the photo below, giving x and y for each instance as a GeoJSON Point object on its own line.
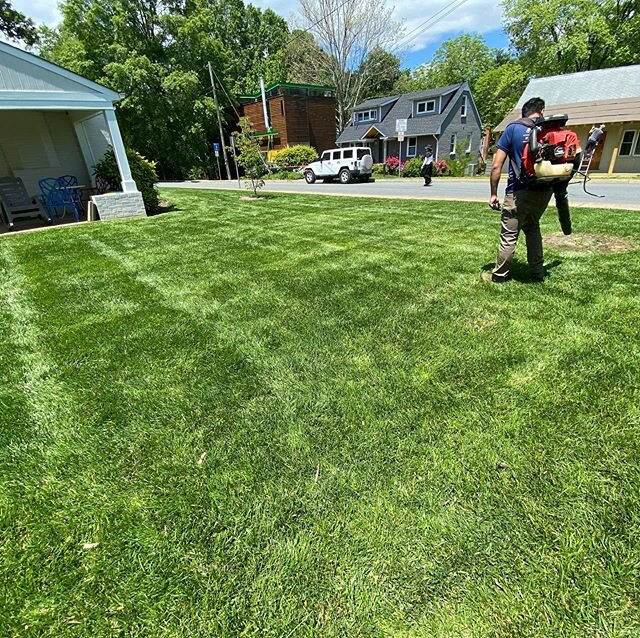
{"type": "Point", "coordinates": [309, 416]}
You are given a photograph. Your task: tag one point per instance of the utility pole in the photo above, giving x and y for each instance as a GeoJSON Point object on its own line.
{"type": "Point", "coordinates": [215, 99]}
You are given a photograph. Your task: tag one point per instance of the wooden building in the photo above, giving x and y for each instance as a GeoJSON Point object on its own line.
{"type": "Point", "coordinates": [604, 96]}
{"type": "Point", "coordinates": [298, 114]}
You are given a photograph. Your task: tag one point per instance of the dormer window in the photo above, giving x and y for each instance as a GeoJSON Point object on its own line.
{"type": "Point", "coordinates": [428, 106]}
{"type": "Point", "coordinates": [366, 116]}
{"type": "Point", "coordinates": [463, 107]}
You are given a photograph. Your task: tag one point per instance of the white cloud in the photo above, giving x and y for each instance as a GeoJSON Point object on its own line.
{"type": "Point", "coordinates": [478, 16]}
{"type": "Point", "coordinates": [475, 16]}
{"type": "Point", "coordinates": [40, 11]}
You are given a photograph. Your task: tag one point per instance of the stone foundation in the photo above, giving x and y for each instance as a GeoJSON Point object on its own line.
{"type": "Point", "coordinates": [117, 205]}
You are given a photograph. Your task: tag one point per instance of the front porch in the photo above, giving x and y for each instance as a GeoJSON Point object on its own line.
{"type": "Point", "coordinates": [53, 123]}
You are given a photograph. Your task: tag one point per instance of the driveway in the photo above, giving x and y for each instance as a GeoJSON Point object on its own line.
{"type": "Point", "coordinates": [617, 193]}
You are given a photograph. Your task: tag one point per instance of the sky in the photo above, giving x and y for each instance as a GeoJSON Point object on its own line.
{"type": "Point", "coordinates": [474, 16]}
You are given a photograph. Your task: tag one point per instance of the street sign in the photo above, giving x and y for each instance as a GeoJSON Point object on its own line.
{"type": "Point", "coordinates": [401, 136]}
{"type": "Point", "coordinates": [216, 149]}
{"type": "Point", "coordinates": [401, 125]}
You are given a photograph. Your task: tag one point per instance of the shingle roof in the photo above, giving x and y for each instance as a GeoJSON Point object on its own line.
{"type": "Point", "coordinates": [403, 108]}
{"type": "Point", "coordinates": [586, 86]}
{"type": "Point", "coordinates": [610, 95]}
{"type": "Point", "coordinates": [375, 102]}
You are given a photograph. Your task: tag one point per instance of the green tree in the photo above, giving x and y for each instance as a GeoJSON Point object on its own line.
{"type": "Point", "coordinates": [16, 25]}
{"type": "Point", "coordinates": [555, 36]}
{"type": "Point", "coordinates": [461, 59]}
{"type": "Point", "coordinates": [155, 53]}
{"type": "Point", "coordinates": [305, 61]}
{"type": "Point", "coordinates": [497, 90]}
{"type": "Point", "coordinates": [249, 156]}
{"type": "Point", "coordinates": [384, 72]}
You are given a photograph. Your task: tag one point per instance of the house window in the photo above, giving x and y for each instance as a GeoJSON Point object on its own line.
{"type": "Point", "coordinates": [463, 107]}
{"type": "Point", "coordinates": [366, 116]}
{"type": "Point", "coordinates": [428, 106]}
{"type": "Point", "coordinates": [628, 139]}
{"type": "Point", "coordinates": [412, 145]}
{"type": "Point", "coordinates": [452, 148]}
{"type": "Point", "coordinates": [469, 139]}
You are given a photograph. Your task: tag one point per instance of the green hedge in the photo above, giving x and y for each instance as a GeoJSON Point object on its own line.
{"type": "Point", "coordinates": [143, 172]}
{"type": "Point", "coordinates": [412, 167]}
{"type": "Point", "coordinates": [295, 156]}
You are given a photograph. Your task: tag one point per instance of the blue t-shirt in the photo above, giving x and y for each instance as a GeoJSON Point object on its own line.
{"type": "Point", "coordinates": [512, 142]}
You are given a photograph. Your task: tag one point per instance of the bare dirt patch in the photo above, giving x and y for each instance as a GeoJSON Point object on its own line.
{"type": "Point", "coordinates": [249, 198]}
{"type": "Point", "coordinates": [588, 243]}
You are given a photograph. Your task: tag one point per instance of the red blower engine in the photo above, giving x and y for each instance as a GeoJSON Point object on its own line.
{"type": "Point", "coordinates": [553, 153]}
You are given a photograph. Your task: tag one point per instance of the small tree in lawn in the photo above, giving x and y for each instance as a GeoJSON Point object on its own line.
{"type": "Point", "coordinates": [249, 156]}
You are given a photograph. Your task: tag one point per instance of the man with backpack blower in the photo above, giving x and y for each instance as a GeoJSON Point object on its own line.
{"type": "Point", "coordinates": [543, 156]}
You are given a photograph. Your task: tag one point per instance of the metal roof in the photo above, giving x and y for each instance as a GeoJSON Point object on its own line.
{"type": "Point", "coordinates": [429, 124]}
{"type": "Point", "coordinates": [586, 86]}
{"type": "Point", "coordinates": [30, 82]}
{"type": "Point", "coordinates": [607, 95]}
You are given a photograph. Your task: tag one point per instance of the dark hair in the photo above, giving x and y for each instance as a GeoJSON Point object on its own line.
{"type": "Point", "coordinates": [534, 105]}
{"type": "Point", "coordinates": [428, 149]}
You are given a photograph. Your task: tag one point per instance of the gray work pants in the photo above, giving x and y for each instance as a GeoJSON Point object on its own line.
{"type": "Point", "coordinates": [521, 211]}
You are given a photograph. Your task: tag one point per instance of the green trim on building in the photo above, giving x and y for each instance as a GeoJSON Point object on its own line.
{"type": "Point", "coordinates": [287, 85]}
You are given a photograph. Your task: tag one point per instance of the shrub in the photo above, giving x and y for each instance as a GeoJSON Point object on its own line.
{"type": "Point", "coordinates": [412, 167]}
{"type": "Point", "coordinates": [379, 169]}
{"type": "Point", "coordinates": [289, 175]}
{"type": "Point", "coordinates": [143, 172]}
{"type": "Point", "coordinates": [441, 168]}
{"type": "Point", "coordinates": [295, 156]}
{"type": "Point", "coordinates": [392, 163]}
{"type": "Point", "coordinates": [458, 163]}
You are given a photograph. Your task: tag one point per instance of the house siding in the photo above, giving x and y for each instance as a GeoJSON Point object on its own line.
{"type": "Point", "coordinates": [322, 123]}
{"type": "Point", "coordinates": [298, 119]}
{"type": "Point", "coordinates": [461, 127]}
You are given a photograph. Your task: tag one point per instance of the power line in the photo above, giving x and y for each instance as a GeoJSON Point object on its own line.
{"type": "Point", "coordinates": [423, 26]}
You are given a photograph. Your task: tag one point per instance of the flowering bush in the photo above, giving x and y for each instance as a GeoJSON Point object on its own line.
{"type": "Point", "coordinates": [393, 163]}
{"type": "Point", "coordinates": [441, 167]}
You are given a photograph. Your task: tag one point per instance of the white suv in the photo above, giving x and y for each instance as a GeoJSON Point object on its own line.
{"type": "Point", "coordinates": [345, 163]}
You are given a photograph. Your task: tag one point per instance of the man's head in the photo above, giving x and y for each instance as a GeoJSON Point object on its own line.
{"type": "Point", "coordinates": [428, 150]}
{"type": "Point", "coordinates": [534, 106]}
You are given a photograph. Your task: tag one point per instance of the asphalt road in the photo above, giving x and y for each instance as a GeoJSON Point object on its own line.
{"type": "Point", "coordinates": [617, 193]}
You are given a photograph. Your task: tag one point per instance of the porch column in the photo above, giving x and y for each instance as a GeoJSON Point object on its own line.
{"type": "Point", "coordinates": [128, 185]}
{"type": "Point", "coordinates": [384, 150]}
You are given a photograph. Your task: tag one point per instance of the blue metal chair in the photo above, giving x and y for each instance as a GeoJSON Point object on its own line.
{"type": "Point", "coordinates": [55, 196]}
{"type": "Point", "coordinates": [69, 181]}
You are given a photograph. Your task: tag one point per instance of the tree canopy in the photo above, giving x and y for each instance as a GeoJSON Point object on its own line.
{"type": "Point", "coordinates": [15, 25]}
{"type": "Point", "coordinates": [155, 52]}
{"type": "Point", "coordinates": [555, 36]}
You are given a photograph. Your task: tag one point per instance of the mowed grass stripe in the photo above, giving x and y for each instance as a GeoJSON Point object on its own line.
{"type": "Point", "coordinates": [310, 417]}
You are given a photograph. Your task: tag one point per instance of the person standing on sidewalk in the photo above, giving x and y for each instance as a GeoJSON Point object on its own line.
{"type": "Point", "coordinates": [427, 166]}
{"type": "Point", "coordinates": [523, 204]}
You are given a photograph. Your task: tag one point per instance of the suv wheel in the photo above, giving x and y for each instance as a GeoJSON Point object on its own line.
{"type": "Point", "coordinates": [345, 176]}
{"type": "Point", "coordinates": [310, 177]}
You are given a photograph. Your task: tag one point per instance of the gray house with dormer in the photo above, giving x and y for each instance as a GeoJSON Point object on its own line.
{"type": "Point", "coordinates": [443, 118]}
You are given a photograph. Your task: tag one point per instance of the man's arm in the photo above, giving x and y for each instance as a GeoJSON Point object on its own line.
{"type": "Point", "coordinates": [496, 169]}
